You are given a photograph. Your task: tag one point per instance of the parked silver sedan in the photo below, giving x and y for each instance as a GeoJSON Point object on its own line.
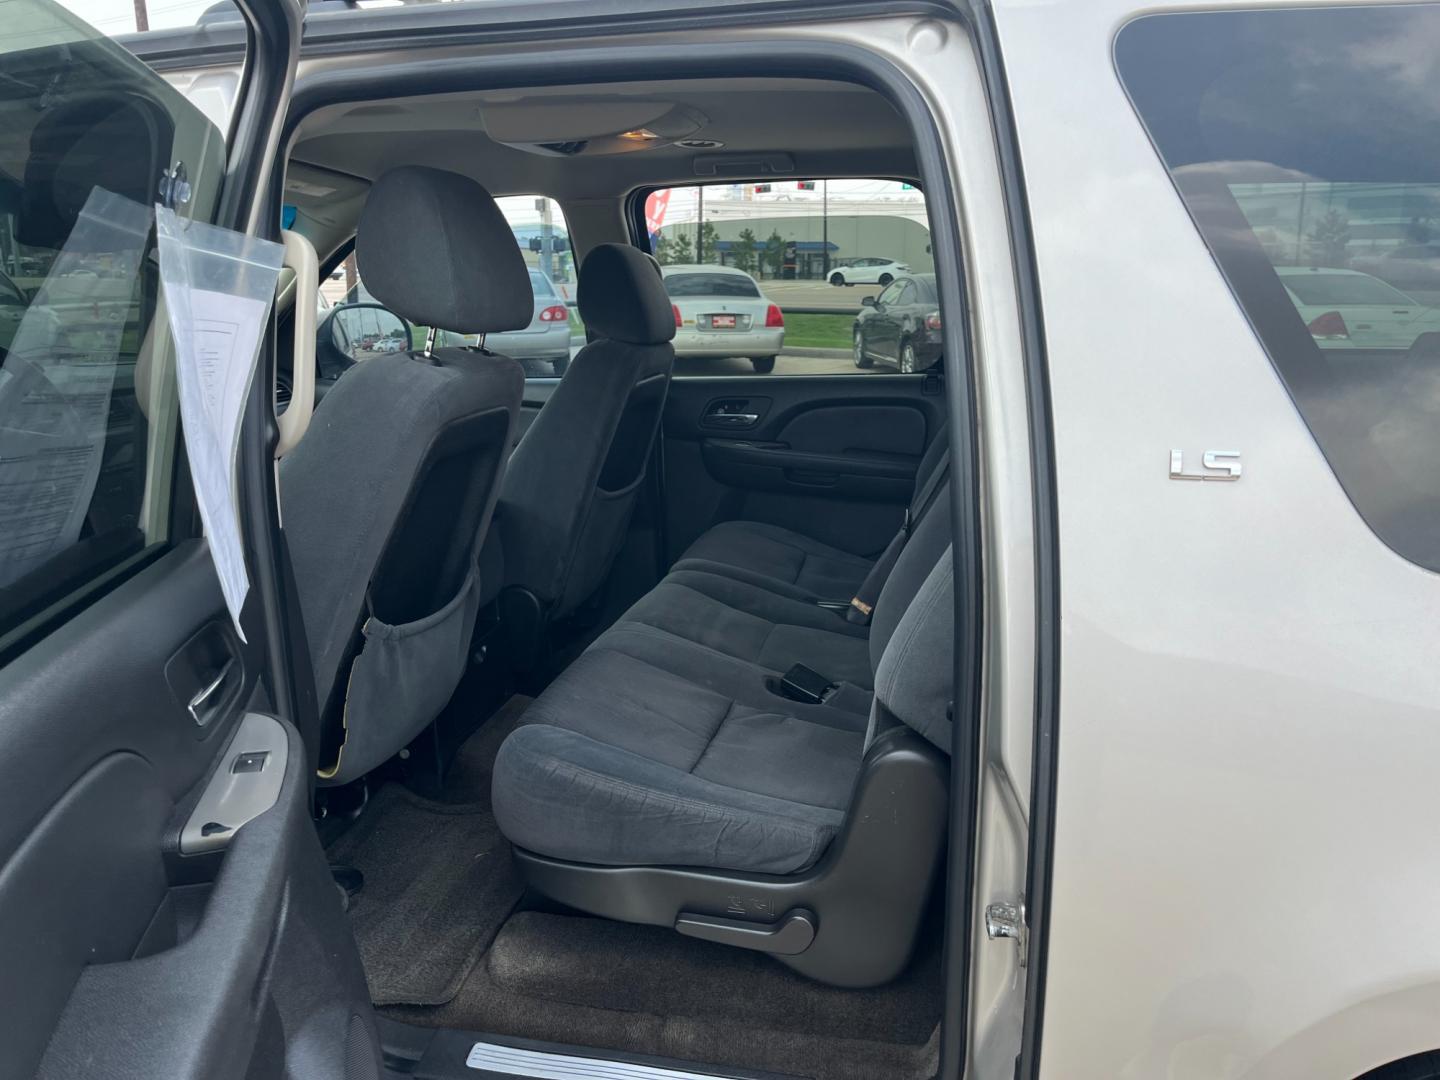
{"type": "Point", "coordinates": [720, 311]}
{"type": "Point", "coordinates": [547, 338]}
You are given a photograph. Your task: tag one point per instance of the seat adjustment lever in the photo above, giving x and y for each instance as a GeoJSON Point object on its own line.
{"type": "Point", "coordinates": [790, 936]}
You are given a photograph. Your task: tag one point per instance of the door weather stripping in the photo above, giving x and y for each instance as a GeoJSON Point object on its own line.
{"type": "Point", "coordinates": [1007, 920]}
{"type": "Point", "coordinates": [513, 1061]}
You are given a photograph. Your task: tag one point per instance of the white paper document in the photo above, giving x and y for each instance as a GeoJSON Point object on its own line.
{"type": "Point", "coordinates": [57, 382]}
{"type": "Point", "coordinates": [218, 289]}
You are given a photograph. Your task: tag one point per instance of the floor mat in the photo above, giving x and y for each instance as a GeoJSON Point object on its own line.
{"type": "Point", "coordinates": [439, 879]}
{"type": "Point", "coordinates": [646, 990]}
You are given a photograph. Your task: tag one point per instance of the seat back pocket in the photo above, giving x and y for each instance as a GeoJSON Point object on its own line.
{"type": "Point", "coordinates": [402, 678]}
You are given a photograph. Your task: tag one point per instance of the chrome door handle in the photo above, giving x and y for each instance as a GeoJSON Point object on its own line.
{"type": "Point", "coordinates": [719, 418]}
{"type": "Point", "coordinates": [207, 691]}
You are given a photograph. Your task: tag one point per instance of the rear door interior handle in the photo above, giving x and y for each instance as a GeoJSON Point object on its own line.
{"type": "Point", "coordinates": [197, 707]}
{"type": "Point", "coordinates": [733, 413]}
{"type": "Point", "coordinates": [207, 675]}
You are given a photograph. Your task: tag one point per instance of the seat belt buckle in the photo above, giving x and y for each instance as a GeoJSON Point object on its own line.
{"type": "Point", "coordinates": [802, 684]}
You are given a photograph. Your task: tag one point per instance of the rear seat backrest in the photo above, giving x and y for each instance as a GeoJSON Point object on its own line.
{"type": "Point", "coordinates": [928, 540]}
{"type": "Point", "coordinates": [914, 681]}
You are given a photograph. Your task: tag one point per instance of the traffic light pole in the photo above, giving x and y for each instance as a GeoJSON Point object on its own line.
{"type": "Point", "coordinates": [825, 229]}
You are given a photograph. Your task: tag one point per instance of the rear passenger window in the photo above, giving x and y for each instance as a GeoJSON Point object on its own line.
{"type": "Point", "coordinates": [1304, 145]}
{"type": "Point", "coordinates": [797, 277]}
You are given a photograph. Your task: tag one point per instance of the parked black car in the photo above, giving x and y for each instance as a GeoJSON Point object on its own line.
{"type": "Point", "coordinates": [901, 326]}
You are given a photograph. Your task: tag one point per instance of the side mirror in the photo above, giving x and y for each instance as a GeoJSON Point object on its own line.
{"type": "Point", "coordinates": [869, 301]}
{"type": "Point", "coordinates": [360, 332]}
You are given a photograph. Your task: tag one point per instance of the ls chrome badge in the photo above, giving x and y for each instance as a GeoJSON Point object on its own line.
{"type": "Point", "coordinates": [1217, 465]}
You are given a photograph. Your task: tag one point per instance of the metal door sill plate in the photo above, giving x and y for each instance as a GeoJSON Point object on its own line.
{"type": "Point", "coordinates": [547, 1066]}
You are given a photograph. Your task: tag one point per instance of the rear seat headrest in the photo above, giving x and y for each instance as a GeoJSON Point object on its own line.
{"type": "Point", "coordinates": [622, 296]}
{"type": "Point", "coordinates": [433, 247]}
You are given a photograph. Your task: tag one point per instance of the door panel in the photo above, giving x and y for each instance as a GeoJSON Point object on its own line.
{"type": "Point", "coordinates": [129, 706]}
{"type": "Point", "coordinates": [831, 457]}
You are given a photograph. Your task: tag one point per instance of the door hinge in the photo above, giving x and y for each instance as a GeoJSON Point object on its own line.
{"type": "Point", "coordinates": [1006, 919]}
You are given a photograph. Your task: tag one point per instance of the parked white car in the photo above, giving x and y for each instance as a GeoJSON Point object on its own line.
{"type": "Point", "coordinates": [867, 272]}
{"type": "Point", "coordinates": [720, 311]}
{"type": "Point", "coordinates": [1345, 309]}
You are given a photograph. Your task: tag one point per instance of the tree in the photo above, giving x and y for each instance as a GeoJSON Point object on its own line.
{"type": "Point", "coordinates": [744, 251]}
{"type": "Point", "coordinates": [679, 250]}
{"type": "Point", "coordinates": [705, 249]}
{"type": "Point", "coordinates": [664, 249]}
{"type": "Point", "coordinates": [1332, 234]}
{"type": "Point", "coordinates": [772, 258]}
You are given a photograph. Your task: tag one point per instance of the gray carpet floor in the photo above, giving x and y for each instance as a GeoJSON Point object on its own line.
{"type": "Point", "coordinates": [444, 947]}
{"type": "Point", "coordinates": [646, 990]}
{"type": "Point", "coordinates": [439, 880]}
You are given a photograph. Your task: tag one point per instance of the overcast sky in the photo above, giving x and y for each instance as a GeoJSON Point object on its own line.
{"type": "Point", "coordinates": [118, 16]}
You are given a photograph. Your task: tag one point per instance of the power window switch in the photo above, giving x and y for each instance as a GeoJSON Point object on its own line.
{"type": "Point", "coordinates": [254, 761]}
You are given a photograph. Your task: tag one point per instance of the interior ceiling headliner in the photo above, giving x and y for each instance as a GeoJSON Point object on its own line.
{"type": "Point", "coordinates": [828, 128]}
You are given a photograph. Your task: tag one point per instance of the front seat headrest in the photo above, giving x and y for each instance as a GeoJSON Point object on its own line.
{"type": "Point", "coordinates": [622, 296]}
{"type": "Point", "coordinates": [73, 150]}
{"type": "Point", "coordinates": [433, 247]}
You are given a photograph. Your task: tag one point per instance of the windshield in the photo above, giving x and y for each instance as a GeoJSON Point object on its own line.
{"type": "Point", "coordinates": [710, 285]}
{"type": "Point", "coordinates": [540, 284]}
{"type": "Point", "coordinates": [1343, 289]}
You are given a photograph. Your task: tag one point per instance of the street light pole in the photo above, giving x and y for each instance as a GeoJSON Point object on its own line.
{"type": "Point", "coordinates": [547, 237]}
{"type": "Point", "coordinates": [142, 17]}
{"type": "Point", "coordinates": [700, 225]}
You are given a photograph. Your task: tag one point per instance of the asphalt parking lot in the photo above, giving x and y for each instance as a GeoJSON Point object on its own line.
{"type": "Point", "coordinates": [817, 294]}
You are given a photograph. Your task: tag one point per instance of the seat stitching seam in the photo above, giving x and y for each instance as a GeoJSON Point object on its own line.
{"type": "Point", "coordinates": [635, 626]}
{"type": "Point", "coordinates": [729, 711]}
{"type": "Point", "coordinates": [732, 813]}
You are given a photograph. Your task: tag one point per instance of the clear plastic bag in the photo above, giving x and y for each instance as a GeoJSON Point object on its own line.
{"type": "Point", "coordinates": [219, 286]}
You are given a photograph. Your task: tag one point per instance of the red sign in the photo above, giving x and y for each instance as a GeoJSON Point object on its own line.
{"type": "Point", "coordinates": [655, 204]}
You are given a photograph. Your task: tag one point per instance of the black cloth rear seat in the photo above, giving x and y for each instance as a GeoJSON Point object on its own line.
{"type": "Point", "coordinates": [668, 743]}
{"type": "Point", "coordinates": [796, 565]}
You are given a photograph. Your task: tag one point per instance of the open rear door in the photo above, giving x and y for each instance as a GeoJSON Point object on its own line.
{"type": "Point", "coordinates": [165, 907]}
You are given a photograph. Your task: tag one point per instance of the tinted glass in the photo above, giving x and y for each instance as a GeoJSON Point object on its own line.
{"type": "Point", "coordinates": [1302, 141]}
{"type": "Point", "coordinates": [682, 285]}
{"type": "Point", "coordinates": [890, 295]}
{"type": "Point", "coordinates": [86, 415]}
{"type": "Point", "coordinates": [1322, 288]}
{"type": "Point", "coordinates": [812, 248]}
{"type": "Point", "coordinates": [540, 284]}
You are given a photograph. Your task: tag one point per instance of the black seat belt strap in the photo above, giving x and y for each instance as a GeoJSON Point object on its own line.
{"type": "Point", "coordinates": [862, 604]}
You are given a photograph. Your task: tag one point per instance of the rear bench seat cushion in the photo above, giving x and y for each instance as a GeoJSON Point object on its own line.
{"type": "Point", "coordinates": [750, 623]}
{"type": "Point", "coordinates": [816, 571]}
{"type": "Point", "coordinates": [623, 763]}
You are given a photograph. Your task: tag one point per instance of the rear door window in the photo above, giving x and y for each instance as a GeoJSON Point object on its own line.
{"type": "Point", "coordinates": [1303, 143]}
{"type": "Point", "coordinates": [799, 258]}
